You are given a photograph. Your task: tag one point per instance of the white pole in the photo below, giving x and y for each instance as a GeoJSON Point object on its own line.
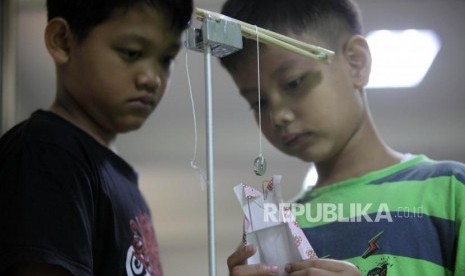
{"type": "Point", "coordinates": [210, 163]}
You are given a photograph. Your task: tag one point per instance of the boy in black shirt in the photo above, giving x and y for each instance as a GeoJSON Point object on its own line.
{"type": "Point", "coordinates": [69, 205]}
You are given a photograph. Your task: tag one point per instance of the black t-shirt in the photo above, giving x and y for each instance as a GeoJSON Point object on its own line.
{"type": "Point", "coordinates": [69, 201]}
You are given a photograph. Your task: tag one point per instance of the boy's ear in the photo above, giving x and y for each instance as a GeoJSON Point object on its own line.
{"type": "Point", "coordinates": [357, 53]}
{"type": "Point", "coordinates": [58, 39]}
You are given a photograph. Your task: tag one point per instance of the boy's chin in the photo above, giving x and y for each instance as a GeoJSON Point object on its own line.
{"type": "Point", "coordinates": [306, 159]}
{"type": "Point", "coordinates": [309, 158]}
{"type": "Point", "coordinates": [130, 126]}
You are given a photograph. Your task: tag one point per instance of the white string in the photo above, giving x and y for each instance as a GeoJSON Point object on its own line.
{"type": "Point", "coordinates": [259, 93]}
{"type": "Point", "coordinates": [198, 171]}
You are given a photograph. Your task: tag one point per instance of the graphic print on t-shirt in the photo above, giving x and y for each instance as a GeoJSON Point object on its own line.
{"type": "Point", "coordinates": [142, 257]}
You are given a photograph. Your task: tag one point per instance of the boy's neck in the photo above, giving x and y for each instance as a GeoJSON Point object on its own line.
{"type": "Point", "coordinates": [106, 139]}
{"type": "Point", "coordinates": [345, 168]}
{"type": "Point", "coordinates": [366, 152]}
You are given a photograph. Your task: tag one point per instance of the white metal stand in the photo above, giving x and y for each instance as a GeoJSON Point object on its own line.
{"type": "Point", "coordinates": [215, 38]}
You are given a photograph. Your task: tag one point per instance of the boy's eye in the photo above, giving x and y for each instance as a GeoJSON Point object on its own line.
{"type": "Point", "coordinates": [255, 106]}
{"type": "Point", "coordinates": [293, 85]}
{"type": "Point", "coordinates": [167, 61]}
{"type": "Point", "coordinates": [130, 55]}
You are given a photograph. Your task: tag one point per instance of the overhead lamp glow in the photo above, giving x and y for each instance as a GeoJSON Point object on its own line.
{"type": "Point", "coordinates": [309, 182]}
{"type": "Point", "coordinates": [310, 178]}
{"type": "Point", "coordinates": [401, 58]}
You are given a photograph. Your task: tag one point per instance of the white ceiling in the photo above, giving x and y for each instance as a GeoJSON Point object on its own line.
{"type": "Point", "coordinates": [426, 119]}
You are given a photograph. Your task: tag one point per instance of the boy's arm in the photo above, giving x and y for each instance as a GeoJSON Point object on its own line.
{"type": "Point", "coordinates": [459, 210]}
{"type": "Point", "coordinates": [35, 269]}
{"type": "Point", "coordinates": [47, 219]}
{"type": "Point", "coordinates": [459, 260]}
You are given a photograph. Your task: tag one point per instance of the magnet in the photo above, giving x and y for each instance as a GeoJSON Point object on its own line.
{"type": "Point", "coordinates": [259, 165]}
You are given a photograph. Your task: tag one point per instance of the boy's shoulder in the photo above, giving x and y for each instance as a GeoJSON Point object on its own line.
{"type": "Point", "coordinates": [47, 142]}
{"type": "Point", "coordinates": [448, 166]}
{"type": "Point", "coordinates": [430, 168]}
{"type": "Point", "coordinates": [422, 168]}
{"type": "Point", "coordinates": [44, 130]}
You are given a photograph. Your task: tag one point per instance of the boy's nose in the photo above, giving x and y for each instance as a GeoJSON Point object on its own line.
{"type": "Point", "coordinates": [281, 117]}
{"type": "Point", "coordinates": [149, 81]}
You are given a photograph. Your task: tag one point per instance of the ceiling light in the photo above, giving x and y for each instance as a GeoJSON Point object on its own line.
{"type": "Point", "coordinates": [401, 58]}
{"type": "Point", "coordinates": [310, 178]}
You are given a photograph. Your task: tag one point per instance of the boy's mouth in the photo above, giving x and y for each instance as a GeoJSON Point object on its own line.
{"type": "Point", "coordinates": [291, 140]}
{"type": "Point", "coordinates": [144, 100]}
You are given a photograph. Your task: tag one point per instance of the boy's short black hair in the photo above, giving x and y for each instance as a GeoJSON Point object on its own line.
{"type": "Point", "coordinates": [326, 19]}
{"type": "Point", "coordinates": [84, 15]}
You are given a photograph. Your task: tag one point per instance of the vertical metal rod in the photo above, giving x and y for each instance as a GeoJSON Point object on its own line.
{"type": "Point", "coordinates": [210, 163]}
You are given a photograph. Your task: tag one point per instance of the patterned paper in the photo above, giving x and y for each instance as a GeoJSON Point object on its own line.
{"type": "Point", "coordinates": [265, 233]}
